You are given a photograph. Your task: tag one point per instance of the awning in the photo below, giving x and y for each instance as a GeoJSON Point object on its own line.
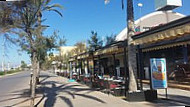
{"type": "Point", "coordinates": [110, 50]}
{"type": "Point", "coordinates": [164, 35]}
{"type": "Point", "coordinates": [166, 46]}
{"type": "Point", "coordinates": [72, 59]}
{"type": "Point", "coordinates": [83, 56]}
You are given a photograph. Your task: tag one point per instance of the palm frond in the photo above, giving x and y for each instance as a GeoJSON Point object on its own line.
{"type": "Point", "coordinates": [56, 11]}
{"type": "Point", "coordinates": [122, 4]}
{"type": "Point", "coordinates": [56, 5]}
{"type": "Point", "coordinates": [47, 2]}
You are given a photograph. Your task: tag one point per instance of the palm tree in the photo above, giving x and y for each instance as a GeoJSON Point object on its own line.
{"type": "Point", "coordinates": [80, 47]}
{"type": "Point", "coordinates": [132, 63]}
{"type": "Point", "coordinates": [42, 5]}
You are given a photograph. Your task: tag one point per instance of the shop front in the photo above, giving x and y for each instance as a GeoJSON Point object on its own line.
{"type": "Point", "coordinates": [170, 41]}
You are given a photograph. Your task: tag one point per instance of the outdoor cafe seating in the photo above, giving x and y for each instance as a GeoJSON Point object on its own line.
{"type": "Point", "coordinates": [110, 85]}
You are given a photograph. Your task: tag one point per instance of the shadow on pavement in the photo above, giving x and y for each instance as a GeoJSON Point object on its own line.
{"type": "Point", "coordinates": [91, 97]}
{"type": "Point", "coordinates": [52, 93]}
{"type": "Point", "coordinates": [45, 77]}
{"type": "Point", "coordinates": [67, 101]}
{"type": "Point", "coordinates": [24, 94]}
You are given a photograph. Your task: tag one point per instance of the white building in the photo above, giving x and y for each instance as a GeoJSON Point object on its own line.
{"type": "Point", "coordinates": [151, 20]}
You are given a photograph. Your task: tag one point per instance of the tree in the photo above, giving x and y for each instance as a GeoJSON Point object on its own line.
{"type": "Point", "coordinates": [132, 62]}
{"type": "Point", "coordinates": [23, 64]}
{"type": "Point", "coordinates": [94, 43]}
{"type": "Point", "coordinates": [28, 26]}
{"type": "Point", "coordinates": [80, 48]}
{"type": "Point", "coordinates": [8, 18]}
{"type": "Point", "coordinates": [46, 44]}
{"type": "Point", "coordinates": [110, 39]}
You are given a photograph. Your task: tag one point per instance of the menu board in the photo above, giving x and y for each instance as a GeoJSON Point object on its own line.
{"type": "Point", "coordinates": [158, 73]}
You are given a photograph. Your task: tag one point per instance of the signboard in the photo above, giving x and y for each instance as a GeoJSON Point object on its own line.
{"type": "Point", "coordinates": [167, 4]}
{"type": "Point", "coordinates": [158, 73]}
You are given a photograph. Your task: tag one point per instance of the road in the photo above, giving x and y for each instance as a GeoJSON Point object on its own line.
{"type": "Point", "coordinates": [14, 88]}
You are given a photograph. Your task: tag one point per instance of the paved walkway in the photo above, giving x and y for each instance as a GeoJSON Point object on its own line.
{"type": "Point", "coordinates": [56, 91]}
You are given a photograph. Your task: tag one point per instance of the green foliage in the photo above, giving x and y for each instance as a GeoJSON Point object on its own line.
{"type": "Point", "coordinates": [25, 20]}
{"type": "Point", "coordinates": [10, 72]}
{"type": "Point", "coordinates": [46, 64]}
{"type": "Point", "coordinates": [8, 17]}
{"type": "Point", "coordinates": [110, 39]}
{"type": "Point", "coordinates": [47, 44]}
{"type": "Point", "coordinates": [23, 64]}
{"type": "Point", "coordinates": [94, 42]}
{"type": "Point", "coordinates": [80, 48]}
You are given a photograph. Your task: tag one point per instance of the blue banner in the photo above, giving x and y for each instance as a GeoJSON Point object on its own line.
{"type": "Point", "coordinates": [158, 73]}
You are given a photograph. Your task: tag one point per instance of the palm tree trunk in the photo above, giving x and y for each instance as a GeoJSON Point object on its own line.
{"type": "Point", "coordinates": [38, 72]}
{"type": "Point", "coordinates": [132, 63]}
{"type": "Point", "coordinates": [39, 15]}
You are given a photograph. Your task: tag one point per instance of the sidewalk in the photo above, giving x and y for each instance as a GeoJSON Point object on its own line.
{"type": "Point", "coordinates": [56, 91]}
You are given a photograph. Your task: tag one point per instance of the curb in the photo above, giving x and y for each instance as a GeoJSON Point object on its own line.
{"type": "Point", "coordinates": [171, 85]}
{"type": "Point", "coordinates": [10, 74]}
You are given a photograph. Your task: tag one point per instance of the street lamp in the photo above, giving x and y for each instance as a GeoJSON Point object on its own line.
{"type": "Point", "coordinates": [8, 66]}
{"type": "Point", "coordinates": [140, 5]}
{"type": "Point", "coordinates": [106, 1]}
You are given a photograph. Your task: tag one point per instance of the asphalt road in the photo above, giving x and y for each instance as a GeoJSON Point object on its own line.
{"type": "Point", "coordinates": [14, 88]}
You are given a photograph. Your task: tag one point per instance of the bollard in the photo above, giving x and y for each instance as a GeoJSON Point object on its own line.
{"type": "Point", "coordinates": [31, 74]}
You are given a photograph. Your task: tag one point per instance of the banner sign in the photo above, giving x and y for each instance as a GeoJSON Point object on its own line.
{"type": "Point", "coordinates": [158, 73]}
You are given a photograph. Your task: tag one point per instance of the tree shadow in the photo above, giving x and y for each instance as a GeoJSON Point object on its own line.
{"type": "Point", "coordinates": [45, 77]}
{"type": "Point", "coordinates": [21, 94]}
{"type": "Point", "coordinates": [51, 93]}
{"type": "Point", "coordinates": [91, 97]}
{"type": "Point", "coordinates": [67, 101]}
{"type": "Point", "coordinates": [51, 96]}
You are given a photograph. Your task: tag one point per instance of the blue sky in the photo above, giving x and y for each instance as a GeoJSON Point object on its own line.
{"type": "Point", "coordinates": [80, 17]}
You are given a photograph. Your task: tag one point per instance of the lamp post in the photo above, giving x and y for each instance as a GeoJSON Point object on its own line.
{"type": "Point", "coordinates": [132, 62]}
{"type": "Point", "coordinates": [140, 5]}
{"type": "Point", "coordinates": [3, 55]}
{"type": "Point", "coordinates": [8, 66]}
